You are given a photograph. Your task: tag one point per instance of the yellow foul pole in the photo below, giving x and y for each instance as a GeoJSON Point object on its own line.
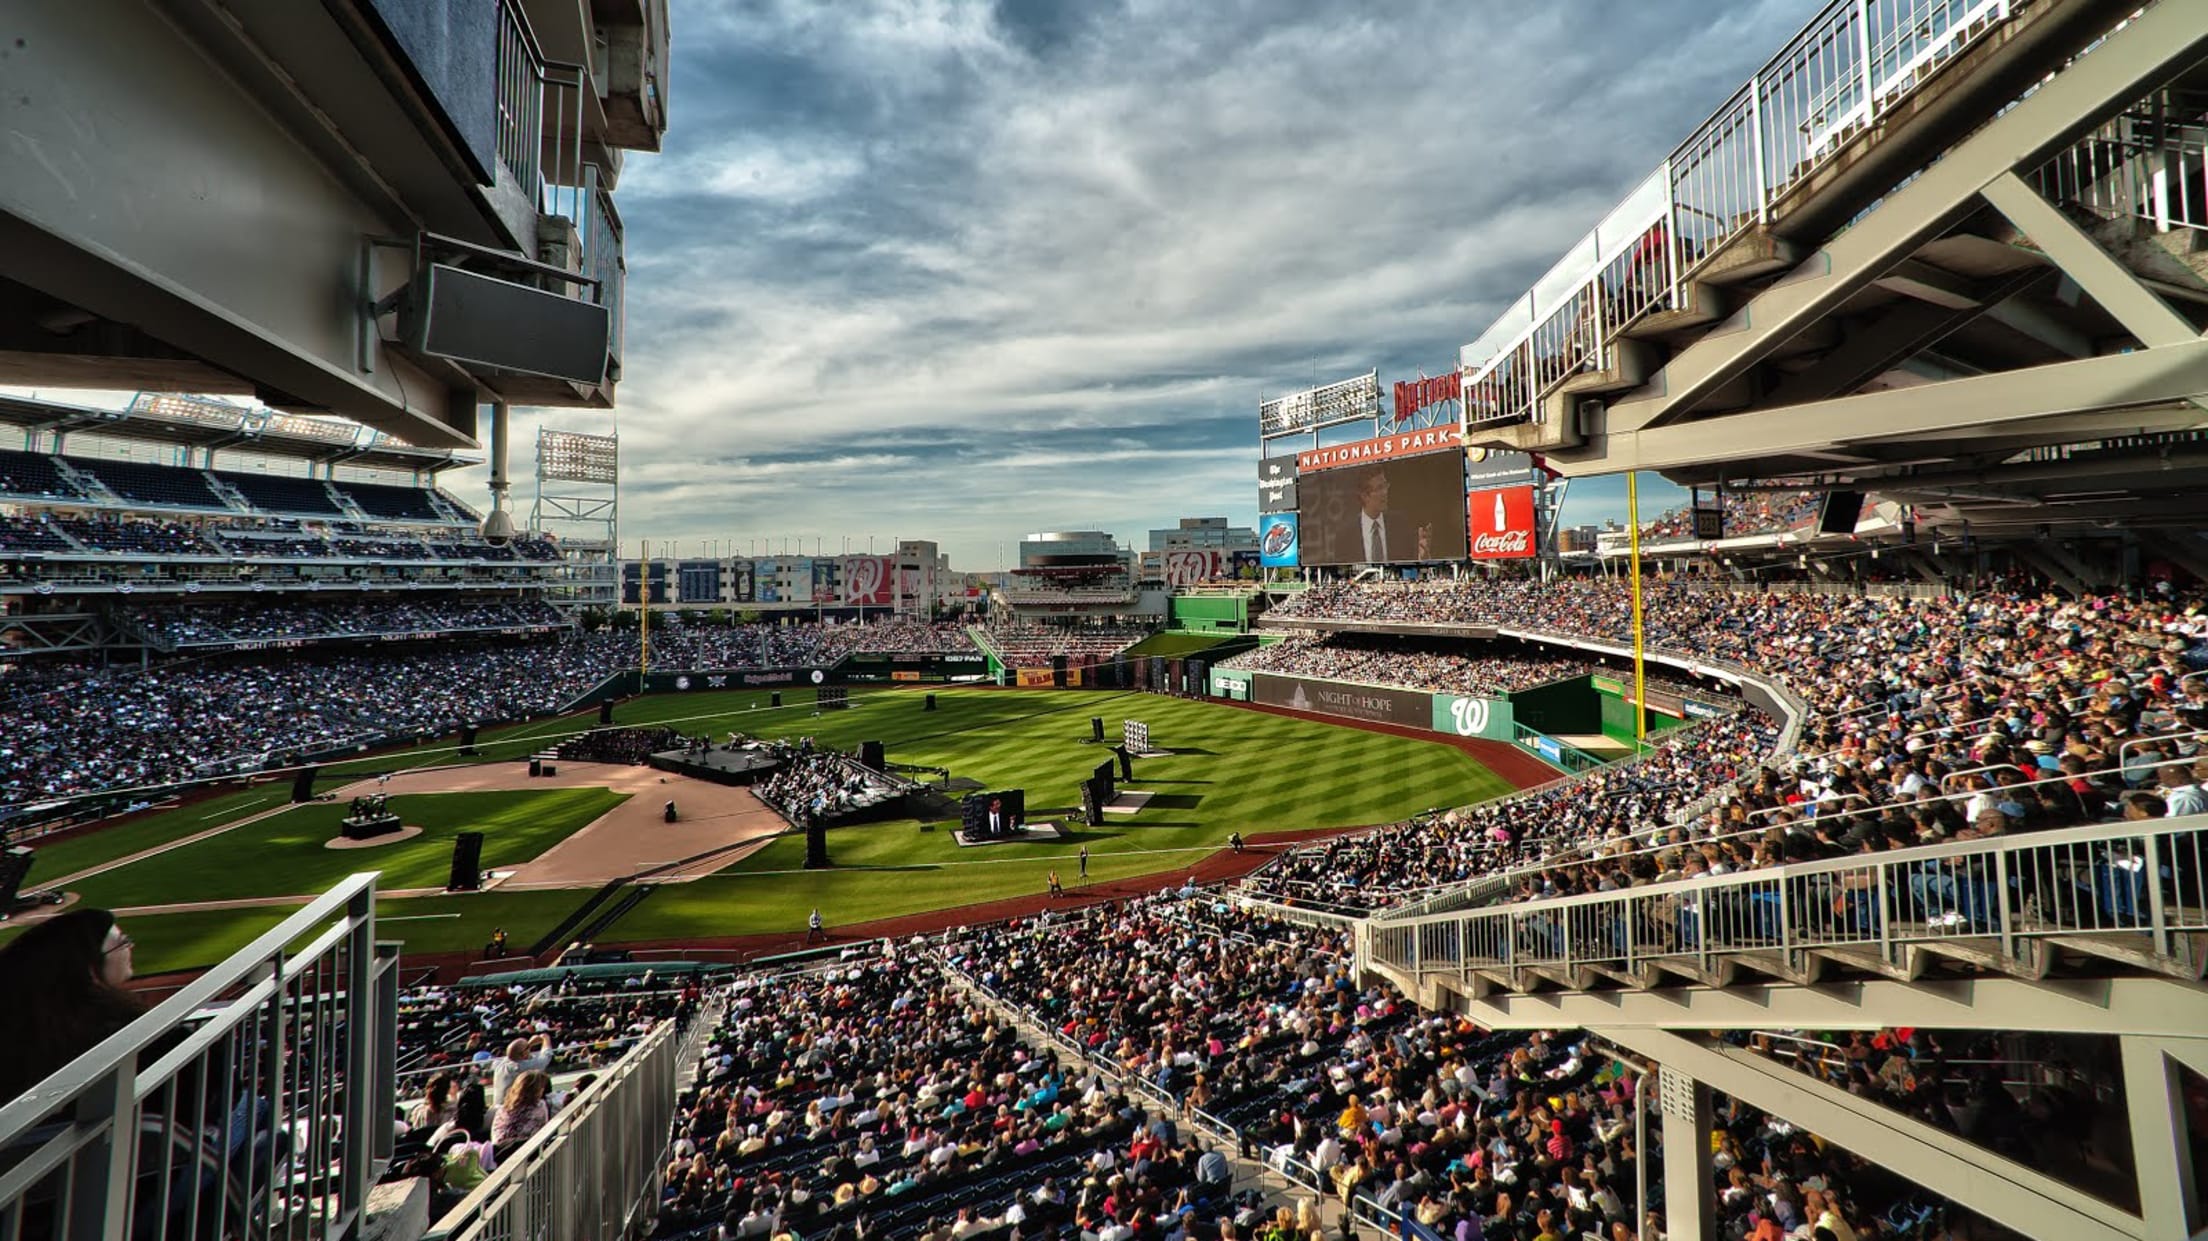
{"type": "Point", "coordinates": [1640, 674]}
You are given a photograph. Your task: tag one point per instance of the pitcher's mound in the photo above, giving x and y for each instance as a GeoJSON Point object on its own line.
{"type": "Point", "coordinates": [409, 832]}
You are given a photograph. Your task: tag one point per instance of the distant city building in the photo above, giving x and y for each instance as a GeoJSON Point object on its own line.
{"type": "Point", "coordinates": [914, 581]}
{"type": "Point", "coordinates": [1204, 532]}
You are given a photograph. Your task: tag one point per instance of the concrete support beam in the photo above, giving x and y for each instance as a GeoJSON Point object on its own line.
{"type": "Point", "coordinates": [2143, 314]}
{"type": "Point", "coordinates": [1688, 1166]}
{"type": "Point", "coordinates": [2126, 66]}
{"type": "Point", "coordinates": [2158, 1007]}
{"type": "Point", "coordinates": [1899, 334]}
{"type": "Point", "coordinates": [1931, 285]}
{"type": "Point", "coordinates": [140, 183]}
{"type": "Point", "coordinates": [2116, 389]}
{"type": "Point", "coordinates": [2000, 1189]}
{"type": "Point", "coordinates": [2161, 1146]}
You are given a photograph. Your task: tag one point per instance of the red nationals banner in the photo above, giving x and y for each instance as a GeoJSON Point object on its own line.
{"type": "Point", "coordinates": [1499, 523]}
{"type": "Point", "coordinates": [869, 581]}
{"type": "Point", "coordinates": [1186, 567]}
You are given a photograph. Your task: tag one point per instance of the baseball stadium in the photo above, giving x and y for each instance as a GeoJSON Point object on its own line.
{"type": "Point", "coordinates": [1813, 851]}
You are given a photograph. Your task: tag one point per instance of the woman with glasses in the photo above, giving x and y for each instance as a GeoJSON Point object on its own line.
{"type": "Point", "coordinates": [76, 964]}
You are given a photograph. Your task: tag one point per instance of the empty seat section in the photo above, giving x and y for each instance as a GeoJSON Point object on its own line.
{"type": "Point", "coordinates": [282, 493]}
{"type": "Point", "coordinates": [31, 474]}
{"type": "Point", "coordinates": [399, 503]}
{"type": "Point", "coordinates": [152, 484]}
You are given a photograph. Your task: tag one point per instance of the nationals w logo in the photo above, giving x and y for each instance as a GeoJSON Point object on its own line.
{"type": "Point", "coordinates": [1470, 716]}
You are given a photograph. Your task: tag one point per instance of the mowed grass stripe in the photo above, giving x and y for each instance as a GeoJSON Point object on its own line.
{"type": "Point", "coordinates": [285, 854]}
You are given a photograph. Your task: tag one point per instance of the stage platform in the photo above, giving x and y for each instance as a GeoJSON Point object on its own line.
{"type": "Point", "coordinates": [720, 765]}
{"type": "Point", "coordinates": [1036, 832]}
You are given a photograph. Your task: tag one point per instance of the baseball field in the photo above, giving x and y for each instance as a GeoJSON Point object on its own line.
{"type": "Point", "coordinates": [195, 882]}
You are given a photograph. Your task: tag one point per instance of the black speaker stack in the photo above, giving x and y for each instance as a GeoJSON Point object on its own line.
{"type": "Point", "coordinates": [467, 738]}
{"type": "Point", "coordinates": [775, 699]}
{"type": "Point", "coordinates": [1096, 729]}
{"type": "Point", "coordinates": [871, 757]}
{"type": "Point", "coordinates": [302, 784]}
{"type": "Point", "coordinates": [15, 864]}
{"type": "Point", "coordinates": [467, 862]}
{"type": "Point", "coordinates": [928, 705]}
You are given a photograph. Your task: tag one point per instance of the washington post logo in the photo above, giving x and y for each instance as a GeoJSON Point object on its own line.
{"type": "Point", "coordinates": [1470, 716]}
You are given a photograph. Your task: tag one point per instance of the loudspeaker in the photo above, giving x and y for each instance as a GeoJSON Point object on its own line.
{"type": "Point", "coordinates": [1126, 763]}
{"type": "Point", "coordinates": [467, 738]}
{"type": "Point", "coordinates": [467, 862]}
{"type": "Point", "coordinates": [1839, 513]}
{"type": "Point", "coordinates": [536, 767]}
{"type": "Point", "coordinates": [471, 317]}
{"type": "Point", "coordinates": [605, 713]}
{"type": "Point", "coordinates": [1096, 729]}
{"type": "Point", "coordinates": [302, 784]}
{"type": "Point", "coordinates": [550, 770]}
{"type": "Point", "coordinates": [1106, 790]}
{"type": "Point", "coordinates": [929, 705]}
{"type": "Point", "coordinates": [14, 865]}
{"type": "Point", "coordinates": [775, 699]}
{"type": "Point", "coordinates": [1058, 671]}
{"type": "Point", "coordinates": [870, 756]}
{"type": "Point", "coordinates": [1092, 805]}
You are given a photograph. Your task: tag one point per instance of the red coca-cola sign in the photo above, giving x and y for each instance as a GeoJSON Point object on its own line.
{"type": "Point", "coordinates": [1499, 523]}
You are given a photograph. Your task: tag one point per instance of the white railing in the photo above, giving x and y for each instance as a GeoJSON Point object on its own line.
{"type": "Point", "coordinates": [594, 1170]}
{"type": "Point", "coordinates": [2133, 884]}
{"type": "Point", "coordinates": [252, 1103]}
{"type": "Point", "coordinates": [1848, 67]}
{"type": "Point", "coordinates": [2149, 161]}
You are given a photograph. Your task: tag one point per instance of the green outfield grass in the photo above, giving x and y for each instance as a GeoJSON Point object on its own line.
{"type": "Point", "coordinates": [83, 852]}
{"type": "Point", "coordinates": [1235, 770]}
{"type": "Point", "coordinates": [285, 854]}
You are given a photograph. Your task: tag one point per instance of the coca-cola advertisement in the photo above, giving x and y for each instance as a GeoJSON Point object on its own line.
{"type": "Point", "coordinates": [1499, 523]}
{"type": "Point", "coordinates": [868, 581]}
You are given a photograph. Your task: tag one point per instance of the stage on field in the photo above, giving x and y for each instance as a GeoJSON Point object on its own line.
{"type": "Point", "coordinates": [1034, 832]}
{"type": "Point", "coordinates": [721, 765]}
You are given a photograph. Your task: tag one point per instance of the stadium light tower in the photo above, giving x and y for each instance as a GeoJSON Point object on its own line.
{"type": "Point", "coordinates": [578, 505]}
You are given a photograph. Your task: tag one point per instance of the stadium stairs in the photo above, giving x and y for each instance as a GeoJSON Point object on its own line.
{"type": "Point", "coordinates": [2097, 930]}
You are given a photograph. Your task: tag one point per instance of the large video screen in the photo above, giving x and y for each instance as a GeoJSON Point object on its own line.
{"type": "Point", "coordinates": [1398, 511]}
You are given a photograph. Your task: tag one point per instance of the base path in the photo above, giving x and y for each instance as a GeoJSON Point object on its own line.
{"type": "Point", "coordinates": [718, 825]}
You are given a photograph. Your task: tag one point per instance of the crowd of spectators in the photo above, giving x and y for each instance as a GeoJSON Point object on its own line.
{"type": "Point", "coordinates": [483, 1069]}
{"type": "Point", "coordinates": [227, 624]}
{"type": "Point", "coordinates": [1909, 701]}
{"type": "Point", "coordinates": [1023, 644]}
{"type": "Point", "coordinates": [1259, 1028]}
{"type": "Point", "coordinates": [874, 1099]}
{"type": "Point", "coordinates": [631, 746]}
{"type": "Point", "coordinates": [81, 729]}
{"type": "Point", "coordinates": [1479, 669]}
{"type": "Point", "coordinates": [822, 786]}
{"type": "Point", "coordinates": [1746, 514]}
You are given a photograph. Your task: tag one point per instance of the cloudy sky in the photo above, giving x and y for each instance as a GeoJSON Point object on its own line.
{"type": "Point", "coordinates": [963, 269]}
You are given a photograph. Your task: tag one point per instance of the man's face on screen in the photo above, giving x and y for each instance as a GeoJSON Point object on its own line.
{"type": "Point", "coordinates": [1373, 494]}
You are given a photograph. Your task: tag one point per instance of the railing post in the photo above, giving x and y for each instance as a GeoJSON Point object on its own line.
{"type": "Point", "coordinates": [2158, 921]}
{"type": "Point", "coordinates": [1671, 232]}
{"type": "Point", "coordinates": [1755, 138]}
{"type": "Point", "coordinates": [1882, 895]}
{"type": "Point", "coordinates": [2003, 927]}
{"type": "Point", "coordinates": [362, 1105]}
{"type": "Point", "coordinates": [100, 1172]}
{"type": "Point", "coordinates": [1863, 49]}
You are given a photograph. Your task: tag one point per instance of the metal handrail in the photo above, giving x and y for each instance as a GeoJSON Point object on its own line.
{"type": "Point", "coordinates": [287, 1048]}
{"type": "Point", "coordinates": [1829, 83]}
{"type": "Point", "coordinates": [2136, 879]}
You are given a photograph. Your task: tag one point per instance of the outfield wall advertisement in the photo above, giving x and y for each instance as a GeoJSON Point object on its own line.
{"type": "Point", "coordinates": [1231, 683]}
{"type": "Point", "coordinates": [1376, 704]}
{"type": "Point", "coordinates": [1486, 718]}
